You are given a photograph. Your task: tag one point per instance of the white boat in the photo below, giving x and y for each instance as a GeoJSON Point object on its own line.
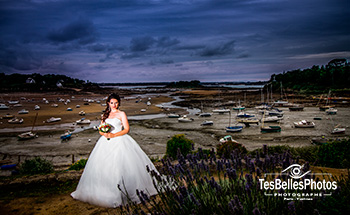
{"type": "Point", "coordinates": [184, 119]}
{"type": "Point", "coordinates": [304, 124]}
{"type": "Point", "coordinates": [221, 110]}
{"type": "Point", "coordinates": [82, 113]}
{"type": "Point", "coordinates": [77, 106]}
{"type": "Point", "coordinates": [36, 107]}
{"type": "Point", "coordinates": [173, 115]}
{"type": "Point", "coordinates": [263, 107]}
{"type": "Point", "coordinates": [54, 105]}
{"type": "Point", "coordinates": [69, 109]}
{"type": "Point", "coordinates": [3, 107]}
{"type": "Point", "coordinates": [207, 122]}
{"type": "Point", "coordinates": [83, 121]}
{"type": "Point", "coordinates": [15, 121]}
{"type": "Point", "coordinates": [23, 111]}
{"type": "Point", "coordinates": [53, 119]}
{"type": "Point", "coordinates": [280, 103]}
{"type": "Point", "coordinates": [148, 103]}
{"type": "Point", "coordinates": [271, 119]}
{"type": "Point", "coordinates": [143, 110]}
{"type": "Point", "coordinates": [248, 120]}
{"type": "Point", "coordinates": [26, 135]}
{"type": "Point", "coordinates": [227, 138]}
{"type": "Point", "coordinates": [13, 102]}
{"type": "Point", "coordinates": [338, 131]}
{"type": "Point", "coordinates": [18, 105]}
{"type": "Point", "coordinates": [331, 111]}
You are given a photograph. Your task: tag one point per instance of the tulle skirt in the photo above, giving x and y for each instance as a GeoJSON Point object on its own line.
{"type": "Point", "coordinates": [118, 161]}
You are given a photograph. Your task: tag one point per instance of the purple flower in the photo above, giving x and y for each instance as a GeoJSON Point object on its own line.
{"type": "Point", "coordinates": [291, 207]}
{"type": "Point", "coordinates": [256, 211]}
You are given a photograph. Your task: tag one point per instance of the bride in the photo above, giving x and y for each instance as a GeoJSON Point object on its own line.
{"type": "Point", "coordinates": [116, 160]}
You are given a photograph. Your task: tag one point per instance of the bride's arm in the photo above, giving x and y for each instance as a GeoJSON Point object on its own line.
{"type": "Point", "coordinates": [126, 127]}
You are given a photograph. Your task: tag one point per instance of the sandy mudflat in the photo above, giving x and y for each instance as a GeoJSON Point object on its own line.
{"type": "Point", "coordinates": [153, 134]}
{"type": "Point", "coordinates": [93, 110]}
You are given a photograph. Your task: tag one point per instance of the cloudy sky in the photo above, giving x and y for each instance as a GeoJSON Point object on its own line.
{"type": "Point", "coordinates": [171, 40]}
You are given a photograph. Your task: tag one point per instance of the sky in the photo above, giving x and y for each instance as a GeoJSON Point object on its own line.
{"type": "Point", "coordinates": [128, 41]}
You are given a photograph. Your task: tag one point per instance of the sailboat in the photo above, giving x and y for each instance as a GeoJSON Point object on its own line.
{"type": "Point", "coordinates": [235, 128]}
{"type": "Point", "coordinates": [239, 107]}
{"type": "Point", "coordinates": [337, 129]}
{"type": "Point", "coordinates": [204, 114]}
{"type": "Point", "coordinates": [269, 129]}
{"type": "Point", "coordinates": [326, 106]}
{"type": "Point", "coordinates": [28, 135]}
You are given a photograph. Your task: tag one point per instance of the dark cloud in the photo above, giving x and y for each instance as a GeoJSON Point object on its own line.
{"type": "Point", "coordinates": [256, 38]}
{"type": "Point", "coordinates": [130, 55]}
{"type": "Point", "coordinates": [160, 61]}
{"type": "Point", "coordinates": [167, 41]}
{"type": "Point", "coordinates": [141, 43]}
{"type": "Point", "coordinates": [98, 47]}
{"type": "Point", "coordinates": [217, 50]}
{"type": "Point", "coordinates": [18, 58]}
{"type": "Point", "coordinates": [82, 31]}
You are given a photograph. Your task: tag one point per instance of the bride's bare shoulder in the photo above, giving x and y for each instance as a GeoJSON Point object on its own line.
{"type": "Point", "coordinates": [122, 113]}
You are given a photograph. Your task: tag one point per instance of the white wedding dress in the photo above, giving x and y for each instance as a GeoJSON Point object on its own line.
{"type": "Point", "coordinates": [119, 160]}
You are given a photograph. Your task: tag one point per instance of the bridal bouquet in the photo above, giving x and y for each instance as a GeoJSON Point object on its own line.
{"type": "Point", "coordinates": [105, 128]}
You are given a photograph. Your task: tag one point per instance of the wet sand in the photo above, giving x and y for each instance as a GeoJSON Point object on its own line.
{"type": "Point", "coordinates": [153, 134]}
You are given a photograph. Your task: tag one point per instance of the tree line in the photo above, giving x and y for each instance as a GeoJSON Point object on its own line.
{"type": "Point", "coordinates": [334, 75]}
{"type": "Point", "coordinates": [37, 82]}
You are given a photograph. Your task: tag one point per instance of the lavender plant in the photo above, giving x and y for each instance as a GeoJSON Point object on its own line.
{"type": "Point", "coordinates": [202, 184]}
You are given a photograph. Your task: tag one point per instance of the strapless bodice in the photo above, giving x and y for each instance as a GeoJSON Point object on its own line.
{"type": "Point", "coordinates": [115, 123]}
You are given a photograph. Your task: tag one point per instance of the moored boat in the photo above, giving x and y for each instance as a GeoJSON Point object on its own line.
{"type": "Point", "coordinates": [207, 122]}
{"type": "Point", "coordinates": [271, 119]}
{"type": "Point", "coordinates": [239, 107]}
{"type": "Point", "coordinates": [244, 115]}
{"type": "Point", "coordinates": [205, 114]}
{"type": "Point", "coordinates": [23, 111]}
{"type": "Point", "coordinates": [331, 111]}
{"type": "Point", "coordinates": [221, 110]}
{"type": "Point", "coordinates": [227, 138]}
{"type": "Point", "coordinates": [66, 136]}
{"type": "Point", "coordinates": [15, 120]}
{"type": "Point", "coordinates": [184, 119]}
{"type": "Point", "coordinates": [36, 107]}
{"type": "Point", "coordinates": [236, 128]}
{"type": "Point", "coordinates": [3, 107]}
{"type": "Point", "coordinates": [53, 119]}
{"type": "Point", "coordinates": [296, 108]}
{"type": "Point", "coordinates": [26, 136]}
{"type": "Point", "coordinates": [83, 121]}
{"type": "Point", "coordinates": [173, 115]}
{"type": "Point", "coordinates": [270, 129]}
{"type": "Point", "coordinates": [8, 116]}
{"type": "Point", "coordinates": [338, 131]}
{"type": "Point", "coordinates": [326, 107]}
{"type": "Point", "coordinates": [304, 124]}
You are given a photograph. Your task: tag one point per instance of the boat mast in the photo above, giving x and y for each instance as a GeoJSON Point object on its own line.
{"type": "Point", "coordinates": [34, 122]}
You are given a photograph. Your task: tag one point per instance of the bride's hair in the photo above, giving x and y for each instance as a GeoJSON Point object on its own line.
{"type": "Point", "coordinates": [108, 109]}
